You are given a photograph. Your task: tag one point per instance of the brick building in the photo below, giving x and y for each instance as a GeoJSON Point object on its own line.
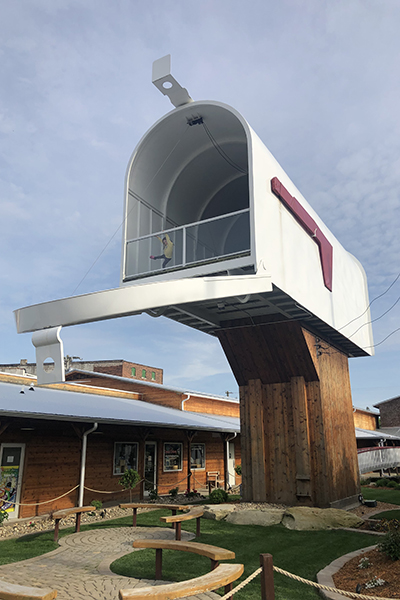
{"type": "Point", "coordinates": [119, 367]}
{"type": "Point", "coordinates": [390, 412]}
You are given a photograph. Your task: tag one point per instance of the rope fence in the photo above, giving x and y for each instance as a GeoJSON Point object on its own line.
{"type": "Point", "coordinates": [267, 583]}
{"type": "Point", "coordinates": [44, 502]}
{"type": "Point", "coordinates": [327, 587]}
{"type": "Point", "coordinates": [243, 584]}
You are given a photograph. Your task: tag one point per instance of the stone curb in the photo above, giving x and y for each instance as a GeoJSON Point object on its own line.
{"type": "Point", "coordinates": [325, 576]}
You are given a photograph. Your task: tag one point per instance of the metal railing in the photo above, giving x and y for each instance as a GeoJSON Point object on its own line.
{"type": "Point", "coordinates": [377, 458]}
{"type": "Point", "coordinates": [217, 238]}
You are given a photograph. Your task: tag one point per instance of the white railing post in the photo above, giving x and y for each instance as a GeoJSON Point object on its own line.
{"type": "Point", "coordinates": [183, 246]}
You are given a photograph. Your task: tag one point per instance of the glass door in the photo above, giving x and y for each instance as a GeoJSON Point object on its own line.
{"type": "Point", "coordinates": [11, 465]}
{"type": "Point", "coordinates": [150, 467]}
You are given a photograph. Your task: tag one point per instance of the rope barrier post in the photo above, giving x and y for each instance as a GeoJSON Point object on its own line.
{"type": "Point", "coordinates": [267, 577]}
{"type": "Point", "coordinates": [56, 529]}
{"type": "Point", "coordinates": [78, 522]}
{"type": "Point", "coordinates": [198, 527]}
{"type": "Point", "coordinates": [158, 563]}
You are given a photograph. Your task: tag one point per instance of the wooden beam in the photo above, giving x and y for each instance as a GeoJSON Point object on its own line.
{"type": "Point", "coordinates": [301, 438]}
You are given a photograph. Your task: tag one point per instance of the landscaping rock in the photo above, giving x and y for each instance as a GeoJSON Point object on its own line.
{"type": "Point", "coordinates": [307, 518]}
{"type": "Point", "coordinates": [265, 518]}
{"type": "Point", "coordinates": [218, 512]}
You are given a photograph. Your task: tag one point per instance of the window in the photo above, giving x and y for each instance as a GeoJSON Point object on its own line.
{"type": "Point", "coordinates": [144, 373]}
{"type": "Point", "coordinates": [153, 375]}
{"type": "Point", "coordinates": [198, 456]}
{"type": "Point", "coordinates": [172, 456]}
{"type": "Point", "coordinates": [125, 457]}
{"type": "Point", "coordinates": [133, 372]}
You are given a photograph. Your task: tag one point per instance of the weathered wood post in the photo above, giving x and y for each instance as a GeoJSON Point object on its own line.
{"type": "Point", "coordinates": [267, 577]}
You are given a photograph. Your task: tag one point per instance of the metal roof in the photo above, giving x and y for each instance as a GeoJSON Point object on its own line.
{"type": "Point", "coordinates": [377, 433]}
{"type": "Point", "coordinates": [149, 384]}
{"type": "Point", "coordinates": [53, 404]}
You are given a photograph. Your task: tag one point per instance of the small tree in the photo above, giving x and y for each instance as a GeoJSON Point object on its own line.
{"type": "Point", "coordinates": [129, 480]}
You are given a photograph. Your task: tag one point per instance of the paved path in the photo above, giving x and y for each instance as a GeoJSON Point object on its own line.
{"type": "Point", "coordinates": [79, 569]}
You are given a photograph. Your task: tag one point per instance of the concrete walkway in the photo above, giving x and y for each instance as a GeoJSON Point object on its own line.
{"type": "Point", "coordinates": [79, 569]}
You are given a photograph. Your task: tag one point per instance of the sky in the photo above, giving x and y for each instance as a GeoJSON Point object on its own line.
{"type": "Point", "coordinates": [319, 83]}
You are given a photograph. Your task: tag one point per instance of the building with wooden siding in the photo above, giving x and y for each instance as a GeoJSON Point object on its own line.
{"type": "Point", "coordinates": [366, 419]}
{"type": "Point", "coordinates": [41, 433]}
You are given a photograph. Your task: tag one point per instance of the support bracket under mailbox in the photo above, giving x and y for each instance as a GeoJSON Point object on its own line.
{"type": "Point", "coordinates": [48, 344]}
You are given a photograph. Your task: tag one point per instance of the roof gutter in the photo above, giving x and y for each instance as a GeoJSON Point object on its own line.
{"type": "Point", "coordinates": [185, 400]}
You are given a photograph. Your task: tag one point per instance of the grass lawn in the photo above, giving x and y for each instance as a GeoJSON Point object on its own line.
{"type": "Point", "coordinates": [389, 514]}
{"type": "Point", "coordinates": [300, 552]}
{"type": "Point", "coordinates": [383, 495]}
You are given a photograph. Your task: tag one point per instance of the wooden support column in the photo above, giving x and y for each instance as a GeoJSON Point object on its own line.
{"type": "Point", "coordinates": [301, 439]}
{"type": "Point", "coordinates": [252, 417]}
{"type": "Point", "coordinates": [297, 430]}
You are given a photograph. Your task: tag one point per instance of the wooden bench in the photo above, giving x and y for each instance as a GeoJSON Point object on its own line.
{"type": "Point", "coordinates": [12, 591]}
{"type": "Point", "coordinates": [135, 506]}
{"type": "Point", "coordinates": [212, 479]}
{"type": "Point", "coordinates": [222, 576]}
{"type": "Point", "coordinates": [194, 513]}
{"type": "Point", "coordinates": [66, 512]}
{"type": "Point", "coordinates": [214, 553]}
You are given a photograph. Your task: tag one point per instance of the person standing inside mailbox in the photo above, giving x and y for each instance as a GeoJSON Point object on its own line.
{"type": "Point", "coordinates": [168, 248]}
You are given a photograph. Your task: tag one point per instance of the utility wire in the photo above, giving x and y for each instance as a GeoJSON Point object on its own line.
{"type": "Point", "coordinates": [369, 305]}
{"type": "Point", "coordinates": [384, 339]}
{"type": "Point", "coordinates": [377, 318]}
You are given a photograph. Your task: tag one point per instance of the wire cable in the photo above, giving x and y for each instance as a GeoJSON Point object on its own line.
{"type": "Point", "coordinates": [377, 318]}
{"type": "Point", "coordinates": [369, 305]}
{"type": "Point", "coordinates": [221, 151]}
{"type": "Point", "coordinates": [384, 339]}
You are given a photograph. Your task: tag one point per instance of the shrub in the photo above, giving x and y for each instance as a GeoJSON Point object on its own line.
{"type": "Point", "coordinates": [153, 495]}
{"type": "Point", "coordinates": [3, 516]}
{"type": "Point", "coordinates": [391, 484]}
{"type": "Point", "coordinates": [390, 544]}
{"type": "Point", "coordinates": [218, 496]}
{"type": "Point", "coordinates": [174, 492]}
{"type": "Point", "coordinates": [381, 482]}
{"type": "Point", "coordinates": [97, 504]}
{"type": "Point", "coordinates": [129, 480]}
{"type": "Point", "coordinates": [238, 469]}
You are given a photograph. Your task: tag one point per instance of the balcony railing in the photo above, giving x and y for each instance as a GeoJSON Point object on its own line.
{"type": "Point", "coordinates": [375, 459]}
{"type": "Point", "coordinates": [210, 240]}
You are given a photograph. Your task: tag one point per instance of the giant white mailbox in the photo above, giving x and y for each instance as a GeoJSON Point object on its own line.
{"type": "Point", "coordinates": [216, 232]}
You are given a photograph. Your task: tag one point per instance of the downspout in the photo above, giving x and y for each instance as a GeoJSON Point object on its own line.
{"type": "Point", "coordinates": [228, 439]}
{"type": "Point", "coordinates": [83, 463]}
{"type": "Point", "coordinates": [184, 400]}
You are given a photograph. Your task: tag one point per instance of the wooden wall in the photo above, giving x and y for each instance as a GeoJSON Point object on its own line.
{"type": "Point", "coordinates": [297, 431]}
{"type": "Point", "coordinates": [212, 406]}
{"type": "Point", "coordinates": [53, 454]}
{"type": "Point", "coordinates": [365, 420]}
